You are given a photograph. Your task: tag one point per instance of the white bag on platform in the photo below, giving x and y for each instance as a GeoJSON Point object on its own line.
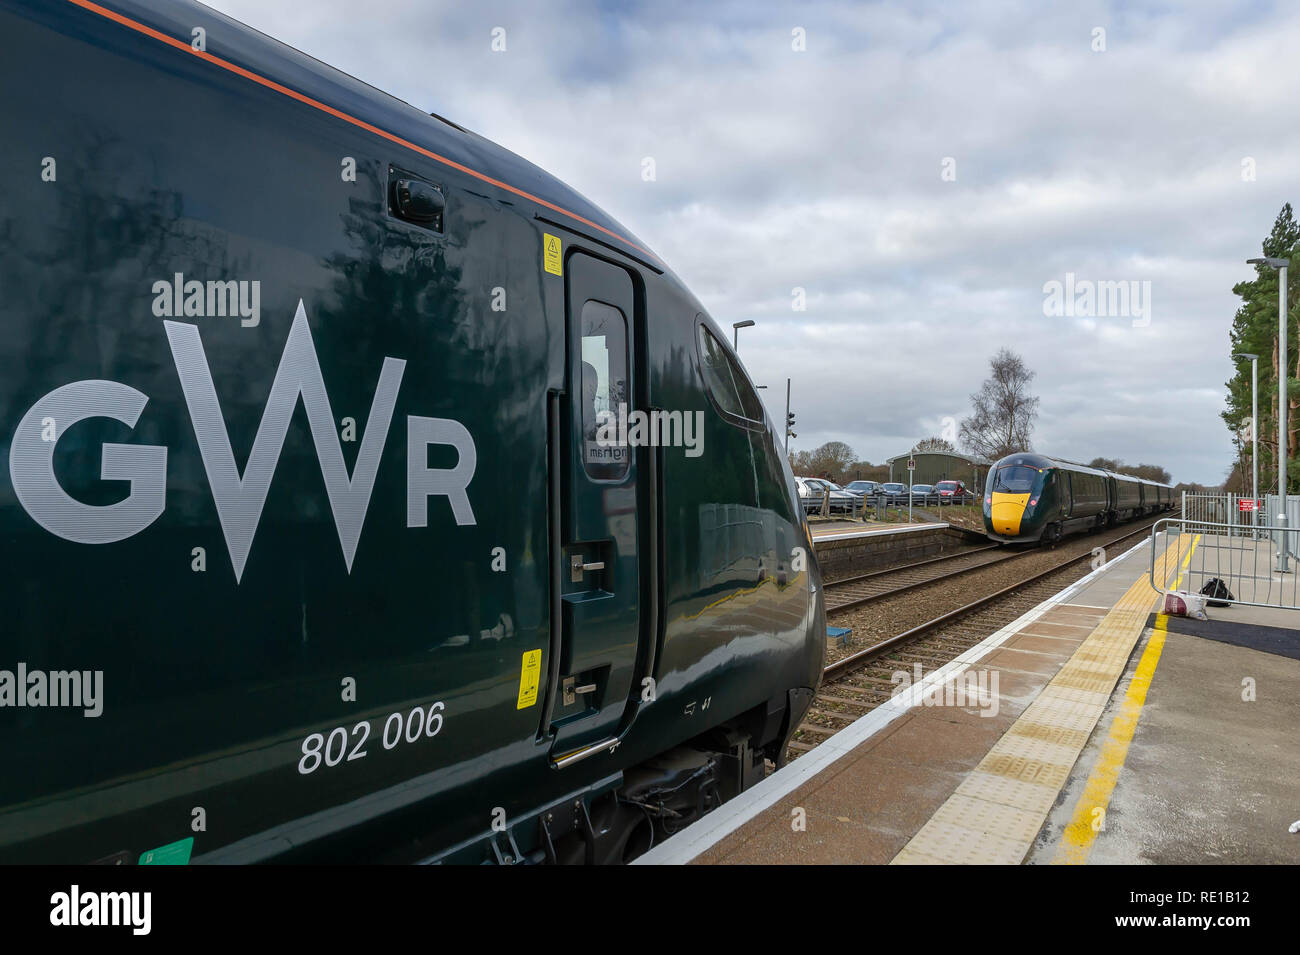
{"type": "Point", "coordinates": [1182, 603]}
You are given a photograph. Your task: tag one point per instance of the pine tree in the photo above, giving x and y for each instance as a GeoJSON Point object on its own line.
{"type": "Point", "coordinates": [1254, 330]}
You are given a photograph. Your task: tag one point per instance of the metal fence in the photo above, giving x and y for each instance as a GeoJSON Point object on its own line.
{"type": "Point", "coordinates": [1272, 510]}
{"type": "Point", "coordinates": [877, 505]}
{"type": "Point", "coordinates": [1250, 562]}
{"type": "Point", "coordinates": [1223, 509]}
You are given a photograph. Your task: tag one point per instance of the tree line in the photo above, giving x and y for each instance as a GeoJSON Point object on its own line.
{"type": "Point", "coordinates": [1003, 413]}
{"type": "Point", "coordinates": [1254, 331]}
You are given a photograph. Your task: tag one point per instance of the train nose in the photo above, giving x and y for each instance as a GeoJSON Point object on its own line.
{"type": "Point", "coordinates": [1006, 512]}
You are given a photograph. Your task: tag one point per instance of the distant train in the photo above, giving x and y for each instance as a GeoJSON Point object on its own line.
{"type": "Point", "coordinates": [1029, 498]}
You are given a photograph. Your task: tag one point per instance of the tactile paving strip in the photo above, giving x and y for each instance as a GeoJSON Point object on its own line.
{"type": "Point", "coordinates": [997, 811]}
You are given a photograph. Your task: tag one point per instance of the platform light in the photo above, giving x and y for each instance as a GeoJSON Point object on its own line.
{"type": "Point", "coordinates": [735, 332]}
{"type": "Point", "coordinates": [1281, 265]}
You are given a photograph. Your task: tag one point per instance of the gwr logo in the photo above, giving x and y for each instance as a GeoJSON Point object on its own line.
{"type": "Point", "coordinates": [239, 498]}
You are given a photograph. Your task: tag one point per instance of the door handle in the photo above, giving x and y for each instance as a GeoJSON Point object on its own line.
{"type": "Point", "coordinates": [577, 567]}
{"type": "Point", "coordinates": [571, 693]}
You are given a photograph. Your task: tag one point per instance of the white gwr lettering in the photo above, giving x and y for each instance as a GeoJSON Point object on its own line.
{"type": "Point", "coordinates": [239, 498]}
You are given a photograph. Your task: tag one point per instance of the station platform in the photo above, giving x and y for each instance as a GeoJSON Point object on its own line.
{"type": "Point", "coordinates": [856, 548]}
{"type": "Point", "coordinates": [1091, 730]}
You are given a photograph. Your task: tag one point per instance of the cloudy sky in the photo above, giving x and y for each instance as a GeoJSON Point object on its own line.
{"type": "Point", "coordinates": [921, 170]}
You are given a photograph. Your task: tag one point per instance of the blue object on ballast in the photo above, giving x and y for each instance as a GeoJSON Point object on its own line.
{"type": "Point", "coordinates": [838, 633]}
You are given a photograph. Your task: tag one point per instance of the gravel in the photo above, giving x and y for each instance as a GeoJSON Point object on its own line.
{"type": "Point", "coordinates": [890, 616]}
{"type": "Point", "coordinates": [901, 564]}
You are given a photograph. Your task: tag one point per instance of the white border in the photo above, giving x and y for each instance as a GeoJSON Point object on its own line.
{"type": "Point", "coordinates": [880, 530]}
{"type": "Point", "coordinates": [701, 835]}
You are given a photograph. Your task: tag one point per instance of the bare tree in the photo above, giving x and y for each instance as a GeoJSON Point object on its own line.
{"type": "Point", "coordinates": [1152, 472]}
{"type": "Point", "coordinates": [833, 459]}
{"type": "Point", "coordinates": [933, 444]}
{"type": "Point", "coordinates": [1004, 410]}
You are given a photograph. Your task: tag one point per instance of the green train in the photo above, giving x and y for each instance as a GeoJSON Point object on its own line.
{"type": "Point", "coordinates": [1032, 498]}
{"type": "Point", "coordinates": [371, 495]}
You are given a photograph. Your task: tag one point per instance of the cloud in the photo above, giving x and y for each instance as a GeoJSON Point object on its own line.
{"type": "Point", "coordinates": [821, 170]}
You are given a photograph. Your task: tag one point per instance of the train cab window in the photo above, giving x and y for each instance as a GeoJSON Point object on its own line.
{"type": "Point", "coordinates": [604, 388]}
{"type": "Point", "coordinates": [1016, 479]}
{"type": "Point", "coordinates": [727, 383]}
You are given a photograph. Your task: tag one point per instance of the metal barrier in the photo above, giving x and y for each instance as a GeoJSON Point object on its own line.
{"type": "Point", "coordinates": [865, 503]}
{"type": "Point", "coordinates": [1273, 510]}
{"type": "Point", "coordinates": [880, 503]}
{"type": "Point", "coordinates": [1250, 561]}
{"type": "Point", "coordinates": [1221, 509]}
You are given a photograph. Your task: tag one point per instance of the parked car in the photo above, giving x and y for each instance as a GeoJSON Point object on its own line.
{"type": "Point", "coordinates": [841, 500]}
{"type": "Point", "coordinates": [860, 489]}
{"type": "Point", "coordinates": [894, 491]}
{"type": "Point", "coordinates": [809, 497]}
{"type": "Point", "coordinates": [923, 494]}
{"type": "Point", "coordinates": [952, 491]}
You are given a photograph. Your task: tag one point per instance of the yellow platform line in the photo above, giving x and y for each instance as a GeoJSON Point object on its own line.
{"type": "Point", "coordinates": [1089, 816]}
{"type": "Point", "coordinates": [998, 809]}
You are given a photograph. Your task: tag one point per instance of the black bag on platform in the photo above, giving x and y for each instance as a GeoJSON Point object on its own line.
{"type": "Point", "coordinates": [1216, 588]}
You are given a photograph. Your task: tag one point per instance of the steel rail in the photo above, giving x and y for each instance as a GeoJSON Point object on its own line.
{"type": "Point", "coordinates": [851, 662]}
{"type": "Point", "coordinates": [859, 601]}
{"type": "Point", "coordinates": [920, 563]}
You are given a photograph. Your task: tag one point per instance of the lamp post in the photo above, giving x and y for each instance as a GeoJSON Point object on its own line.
{"type": "Point", "coordinates": [735, 333]}
{"type": "Point", "coordinates": [1283, 371]}
{"type": "Point", "coordinates": [1254, 431]}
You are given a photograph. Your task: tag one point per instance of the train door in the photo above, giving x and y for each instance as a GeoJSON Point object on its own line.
{"type": "Point", "coordinates": [598, 547]}
{"type": "Point", "coordinates": [1067, 494]}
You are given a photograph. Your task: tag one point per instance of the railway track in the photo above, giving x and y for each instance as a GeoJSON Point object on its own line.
{"type": "Point", "coordinates": [864, 588]}
{"type": "Point", "coordinates": [857, 684]}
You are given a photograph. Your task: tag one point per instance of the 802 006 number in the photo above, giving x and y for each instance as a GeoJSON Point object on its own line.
{"type": "Point", "coordinates": [332, 748]}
